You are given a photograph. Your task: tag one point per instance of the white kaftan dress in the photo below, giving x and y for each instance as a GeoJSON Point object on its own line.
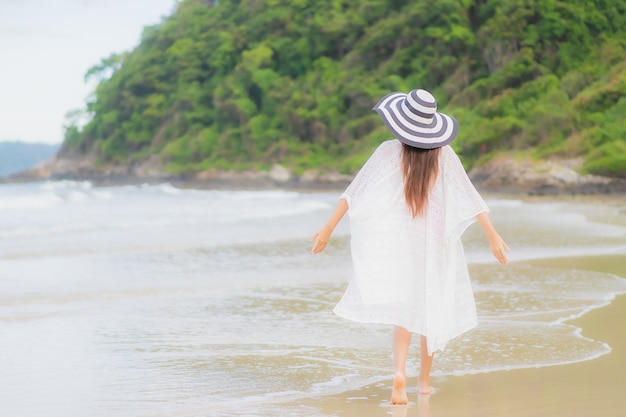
{"type": "Point", "coordinates": [408, 271]}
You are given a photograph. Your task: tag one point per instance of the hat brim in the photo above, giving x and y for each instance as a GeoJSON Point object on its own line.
{"type": "Point", "coordinates": [414, 130]}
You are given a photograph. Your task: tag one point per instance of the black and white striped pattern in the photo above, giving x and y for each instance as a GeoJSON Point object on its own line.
{"type": "Point", "coordinates": [414, 120]}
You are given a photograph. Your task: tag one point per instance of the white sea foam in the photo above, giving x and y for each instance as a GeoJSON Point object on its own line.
{"type": "Point", "coordinates": [519, 254]}
{"type": "Point", "coordinates": [29, 201]}
{"type": "Point", "coordinates": [48, 194]}
{"type": "Point", "coordinates": [166, 188]}
{"type": "Point", "coordinates": [77, 228]}
{"type": "Point", "coordinates": [494, 203]}
{"type": "Point", "coordinates": [65, 185]}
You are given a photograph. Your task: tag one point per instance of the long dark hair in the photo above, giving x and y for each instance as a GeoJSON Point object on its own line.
{"type": "Point", "coordinates": [420, 167]}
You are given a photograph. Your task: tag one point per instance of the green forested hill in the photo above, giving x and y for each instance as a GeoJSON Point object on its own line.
{"type": "Point", "coordinates": [243, 84]}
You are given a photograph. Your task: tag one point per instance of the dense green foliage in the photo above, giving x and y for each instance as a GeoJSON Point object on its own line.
{"type": "Point", "coordinates": [241, 84]}
{"type": "Point", "coordinates": [18, 156]}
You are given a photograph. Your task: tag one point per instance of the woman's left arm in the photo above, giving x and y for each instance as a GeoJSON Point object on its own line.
{"type": "Point", "coordinates": [498, 245]}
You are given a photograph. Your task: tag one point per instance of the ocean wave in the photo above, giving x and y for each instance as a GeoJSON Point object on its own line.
{"type": "Point", "coordinates": [85, 227]}
{"type": "Point", "coordinates": [53, 193]}
{"type": "Point", "coordinates": [30, 201]}
{"type": "Point", "coordinates": [66, 185]}
{"type": "Point", "coordinates": [165, 188]}
{"type": "Point", "coordinates": [519, 254]}
{"type": "Point", "coordinates": [264, 195]}
{"type": "Point", "coordinates": [501, 202]}
{"type": "Point", "coordinates": [49, 194]}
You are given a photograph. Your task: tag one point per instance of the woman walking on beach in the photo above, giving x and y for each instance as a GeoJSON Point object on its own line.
{"type": "Point", "coordinates": [408, 206]}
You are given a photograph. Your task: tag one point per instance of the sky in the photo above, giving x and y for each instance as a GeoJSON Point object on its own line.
{"type": "Point", "coordinates": [47, 46]}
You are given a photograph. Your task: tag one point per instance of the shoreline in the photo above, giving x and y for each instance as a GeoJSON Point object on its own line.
{"type": "Point", "coordinates": [590, 387]}
{"type": "Point", "coordinates": [614, 188]}
{"type": "Point", "coordinates": [504, 175]}
{"type": "Point", "coordinates": [245, 182]}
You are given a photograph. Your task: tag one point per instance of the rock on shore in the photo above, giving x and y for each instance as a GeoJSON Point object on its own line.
{"type": "Point", "coordinates": [546, 177]}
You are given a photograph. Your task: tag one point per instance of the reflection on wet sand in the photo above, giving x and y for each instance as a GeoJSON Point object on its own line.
{"type": "Point", "coordinates": [421, 410]}
{"type": "Point", "coordinates": [399, 410]}
{"type": "Point", "coordinates": [423, 405]}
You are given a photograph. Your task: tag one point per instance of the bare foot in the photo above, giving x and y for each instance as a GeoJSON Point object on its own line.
{"type": "Point", "coordinates": [398, 392]}
{"type": "Point", "coordinates": [423, 387]}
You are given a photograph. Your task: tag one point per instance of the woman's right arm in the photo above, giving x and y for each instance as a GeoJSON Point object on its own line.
{"type": "Point", "coordinates": [322, 236]}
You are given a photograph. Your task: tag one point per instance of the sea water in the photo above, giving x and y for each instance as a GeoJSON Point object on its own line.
{"type": "Point", "coordinates": [159, 301]}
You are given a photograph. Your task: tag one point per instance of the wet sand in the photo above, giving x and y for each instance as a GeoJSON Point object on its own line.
{"type": "Point", "coordinates": [591, 388]}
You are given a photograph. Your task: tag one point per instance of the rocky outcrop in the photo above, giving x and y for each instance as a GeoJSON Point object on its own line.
{"type": "Point", "coordinates": [151, 170]}
{"type": "Point", "coordinates": [278, 176]}
{"type": "Point", "coordinates": [85, 167]}
{"type": "Point", "coordinates": [505, 174]}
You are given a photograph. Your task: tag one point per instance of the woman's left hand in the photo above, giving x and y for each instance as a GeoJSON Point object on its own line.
{"type": "Point", "coordinates": [321, 238]}
{"type": "Point", "coordinates": [498, 248]}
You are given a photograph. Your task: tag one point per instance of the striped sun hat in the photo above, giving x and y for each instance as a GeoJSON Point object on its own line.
{"type": "Point", "coordinates": [414, 120]}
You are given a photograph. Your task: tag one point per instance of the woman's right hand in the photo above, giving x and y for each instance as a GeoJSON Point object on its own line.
{"type": "Point", "coordinates": [322, 236]}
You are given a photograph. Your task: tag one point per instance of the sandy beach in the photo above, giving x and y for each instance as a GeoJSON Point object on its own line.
{"type": "Point", "coordinates": [590, 388]}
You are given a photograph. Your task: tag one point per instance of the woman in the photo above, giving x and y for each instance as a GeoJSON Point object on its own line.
{"type": "Point", "coordinates": [409, 205]}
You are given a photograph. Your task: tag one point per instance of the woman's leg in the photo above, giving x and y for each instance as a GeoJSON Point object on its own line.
{"type": "Point", "coordinates": [426, 362]}
{"type": "Point", "coordinates": [401, 342]}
